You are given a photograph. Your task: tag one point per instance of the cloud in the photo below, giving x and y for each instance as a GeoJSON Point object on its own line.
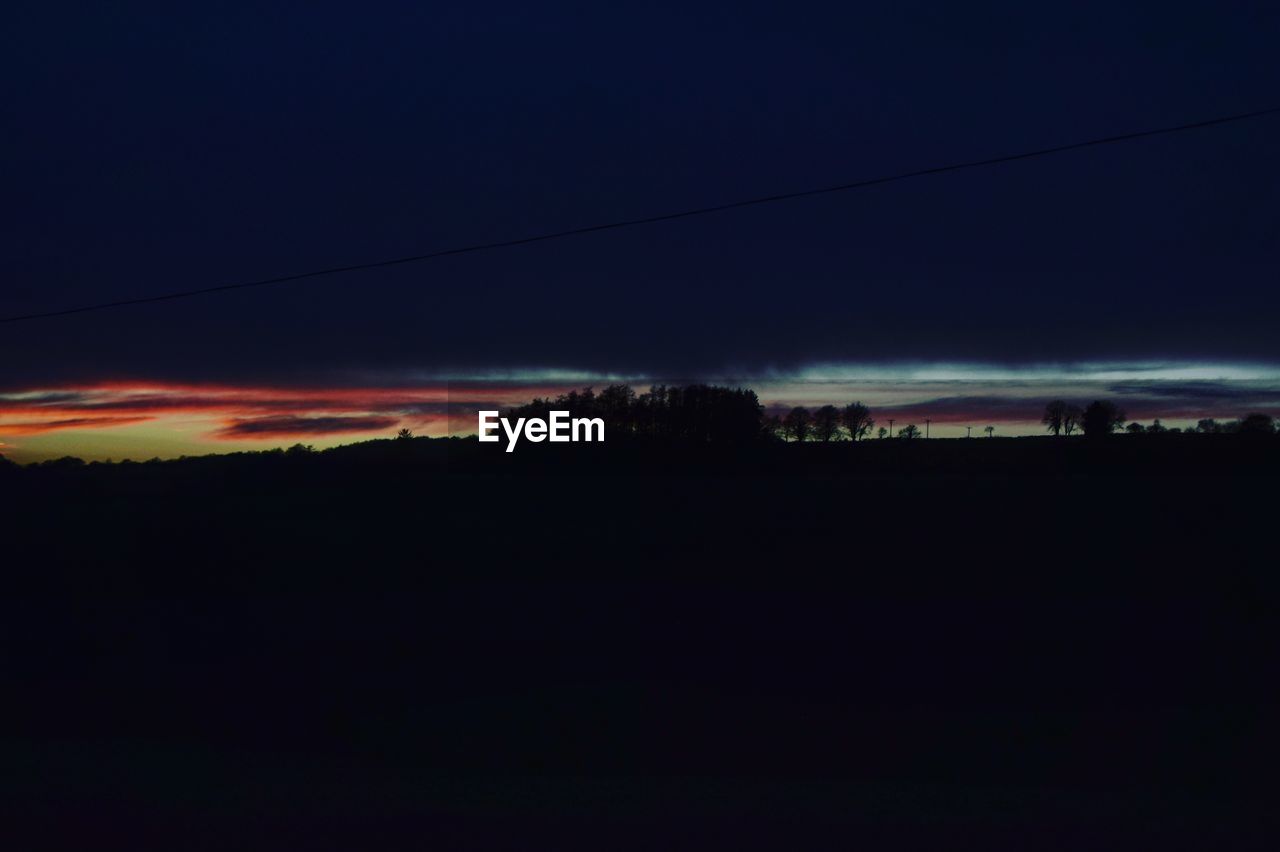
{"type": "Point", "coordinates": [40, 398]}
{"type": "Point", "coordinates": [158, 399]}
{"type": "Point", "coordinates": [284, 426]}
{"type": "Point", "coordinates": [36, 427]}
{"type": "Point", "coordinates": [439, 404]}
{"type": "Point", "coordinates": [963, 409]}
{"type": "Point", "coordinates": [257, 411]}
{"type": "Point", "coordinates": [1244, 393]}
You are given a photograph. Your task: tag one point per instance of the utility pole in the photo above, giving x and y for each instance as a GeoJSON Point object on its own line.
{"type": "Point", "coordinates": [967, 430]}
{"type": "Point", "coordinates": [926, 427]}
{"type": "Point", "coordinates": [890, 427]}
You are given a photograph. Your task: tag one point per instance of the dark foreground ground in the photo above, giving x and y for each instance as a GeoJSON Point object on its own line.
{"type": "Point", "coordinates": [1015, 644]}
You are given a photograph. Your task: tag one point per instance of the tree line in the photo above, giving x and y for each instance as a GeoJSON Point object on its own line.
{"type": "Point", "coordinates": [705, 413]}
{"type": "Point", "coordinates": [702, 413]}
{"type": "Point", "coordinates": [708, 413]}
{"type": "Point", "coordinates": [1103, 417]}
{"type": "Point", "coordinates": [687, 414]}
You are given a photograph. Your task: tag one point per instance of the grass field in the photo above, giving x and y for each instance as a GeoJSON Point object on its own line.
{"type": "Point", "coordinates": [1024, 641]}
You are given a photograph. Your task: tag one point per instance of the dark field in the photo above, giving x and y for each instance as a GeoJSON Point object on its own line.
{"type": "Point", "coordinates": [1016, 643]}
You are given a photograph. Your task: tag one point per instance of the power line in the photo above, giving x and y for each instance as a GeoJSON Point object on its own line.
{"type": "Point", "coordinates": [647, 220]}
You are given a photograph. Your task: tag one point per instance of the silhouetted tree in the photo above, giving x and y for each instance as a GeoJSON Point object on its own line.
{"type": "Point", "coordinates": [797, 424]}
{"type": "Point", "coordinates": [1054, 413]}
{"type": "Point", "coordinates": [772, 427]}
{"type": "Point", "coordinates": [60, 463]}
{"type": "Point", "coordinates": [826, 423]}
{"type": "Point", "coordinates": [1102, 417]}
{"type": "Point", "coordinates": [857, 420]}
{"type": "Point", "coordinates": [1208, 426]}
{"type": "Point", "coordinates": [1072, 417]}
{"type": "Point", "coordinates": [616, 404]}
{"type": "Point", "coordinates": [1257, 424]}
{"type": "Point", "coordinates": [1135, 428]}
{"type": "Point", "coordinates": [909, 431]}
{"type": "Point", "coordinates": [990, 430]}
{"type": "Point", "coordinates": [1156, 427]}
{"type": "Point", "coordinates": [404, 435]}
{"type": "Point", "coordinates": [881, 432]}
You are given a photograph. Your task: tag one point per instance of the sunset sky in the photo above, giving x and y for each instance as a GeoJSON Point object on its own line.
{"type": "Point", "coordinates": [139, 420]}
{"type": "Point", "coordinates": [166, 147]}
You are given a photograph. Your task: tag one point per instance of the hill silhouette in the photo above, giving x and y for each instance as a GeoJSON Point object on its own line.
{"type": "Point", "coordinates": [1019, 631]}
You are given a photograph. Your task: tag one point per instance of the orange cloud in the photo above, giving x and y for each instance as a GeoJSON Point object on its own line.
{"type": "Point", "coordinates": [257, 411]}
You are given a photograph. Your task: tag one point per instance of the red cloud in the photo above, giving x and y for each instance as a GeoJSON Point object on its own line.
{"type": "Point", "coordinates": [255, 410]}
{"type": "Point", "coordinates": [37, 427]}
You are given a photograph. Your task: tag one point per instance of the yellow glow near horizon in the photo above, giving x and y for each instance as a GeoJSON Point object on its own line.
{"type": "Point", "coordinates": [143, 420]}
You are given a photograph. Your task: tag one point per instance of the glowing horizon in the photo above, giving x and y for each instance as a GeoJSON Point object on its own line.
{"type": "Point", "coordinates": [140, 419]}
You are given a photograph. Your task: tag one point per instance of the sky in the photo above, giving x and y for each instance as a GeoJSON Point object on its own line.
{"type": "Point", "coordinates": [159, 147]}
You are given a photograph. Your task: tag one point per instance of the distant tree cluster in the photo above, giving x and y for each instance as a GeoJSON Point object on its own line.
{"type": "Point", "coordinates": [1253, 424]}
{"type": "Point", "coordinates": [692, 413]}
{"type": "Point", "coordinates": [1100, 417]}
{"type": "Point", "coordinates": [706, 413]}
{"type": "Point", "coordinates": [1103, 417]}
{"type": "Point", "coordinates": [1062, 418]}
{"type": "Point", "coordinates": [828, 423]}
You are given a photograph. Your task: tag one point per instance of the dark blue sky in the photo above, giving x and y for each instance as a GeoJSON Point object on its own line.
{"type": "Point", "coordinates": [157, 147]}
